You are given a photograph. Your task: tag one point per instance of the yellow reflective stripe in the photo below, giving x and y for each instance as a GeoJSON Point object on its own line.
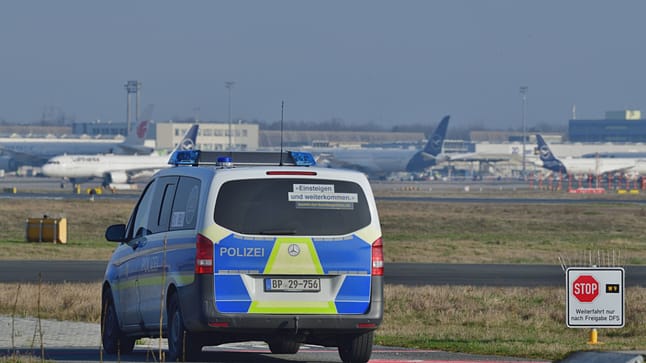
{"type": "Point", "coordinates": [216, 233]}
{"type": "Point", "coordinates": [368, 234]}
{"type": "Point", "coordinates": [306, 262]}
{"type": "Point", "coordinates": [292, 307]}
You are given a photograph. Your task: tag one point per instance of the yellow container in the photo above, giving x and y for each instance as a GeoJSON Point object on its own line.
{"type": "Point", "coordinates": [46, 230]}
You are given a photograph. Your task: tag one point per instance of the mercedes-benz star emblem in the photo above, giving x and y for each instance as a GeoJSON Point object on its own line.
{"type": "Point", "coordinates": [293, 250]}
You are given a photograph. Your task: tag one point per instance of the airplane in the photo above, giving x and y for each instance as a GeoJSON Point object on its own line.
{"type": "Point", "coordinates": [580, 166]}
{"type": "Point", "coordinates": [36, 151]}
{"type": "Point", "coordinates": [383, 161]}
{"type": "Point", "coordinates": [114, 169]}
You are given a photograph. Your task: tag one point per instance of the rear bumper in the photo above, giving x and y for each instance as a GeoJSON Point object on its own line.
{"type": "Point", "coordinates": [204, 318]}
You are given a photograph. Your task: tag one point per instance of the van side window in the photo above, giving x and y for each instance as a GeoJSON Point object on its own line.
{"type": "Point", "coordinates": [138, 224]}
{"type": "Point", "coordinates": [185, 205]}
{"type": "Point", "coordinates": [164, 193]}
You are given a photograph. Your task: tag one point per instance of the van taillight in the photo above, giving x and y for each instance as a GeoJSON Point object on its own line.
{"type": "Point", "coordinates": [203, 255]}
{"type": "Point", "coordinates": [378, 258]}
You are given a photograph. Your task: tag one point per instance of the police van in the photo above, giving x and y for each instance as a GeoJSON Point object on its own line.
{"type": "Point", "coordinates": [235, 247]}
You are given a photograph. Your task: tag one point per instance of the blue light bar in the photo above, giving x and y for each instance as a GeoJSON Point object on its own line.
{"type": "Point", "coordinates": [302, 158]}
{"type": "Point", "coordinates": [231, 159]}
{"type": "Point", "coordinates": [185, 157]}
{"type": "Point", "coordinates": [225, 162]}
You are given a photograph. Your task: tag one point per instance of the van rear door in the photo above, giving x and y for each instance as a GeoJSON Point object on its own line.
{"type": "Point", "coordinates": [297, 246]}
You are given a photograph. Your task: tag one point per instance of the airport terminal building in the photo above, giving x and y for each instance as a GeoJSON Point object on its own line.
{"type": "Point", "coordinates": [211, 136]}
{"type": "Point", "coordinates": [618, 126]}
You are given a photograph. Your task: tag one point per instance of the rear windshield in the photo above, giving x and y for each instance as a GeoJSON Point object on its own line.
{"type": "Point", "coordinates": [292, 207]}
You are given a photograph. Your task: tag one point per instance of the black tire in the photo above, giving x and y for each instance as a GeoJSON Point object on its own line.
{"type": "Point", "coordinates": [182, 345]}
{"type": "Point", "coordinates": [112, 338]}
{"type": "Point", "coordinates": [356, 348]}
{"type": "Point", "coordinates": [284, 346]}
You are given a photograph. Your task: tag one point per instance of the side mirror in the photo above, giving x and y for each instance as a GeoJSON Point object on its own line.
{"type": "Point", "coordinates": [116, 233]}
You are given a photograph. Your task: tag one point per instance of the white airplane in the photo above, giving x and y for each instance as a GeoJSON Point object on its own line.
{"type": "Point", "coordinates": [383, 161]}
{"type": "Point", "coordinates": [37, 151]}
{"type": "Point", "coordinates": [114, 169]}
{"type": "Point", "coordinates": [583, 166]}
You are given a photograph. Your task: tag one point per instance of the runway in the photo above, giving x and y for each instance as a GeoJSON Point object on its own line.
{"type": "Point", "coordinates": [512, 192]}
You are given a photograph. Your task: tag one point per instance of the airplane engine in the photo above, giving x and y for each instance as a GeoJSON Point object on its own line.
{"type": "Point", "coordinates": [7, 163]}
{"type": "Point", "coordinates": [117, 177]}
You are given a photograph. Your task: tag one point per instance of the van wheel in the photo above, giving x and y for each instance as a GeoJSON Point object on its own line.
{"type": "Point", "coordinates": [111, 337]}
{"type": "Point", "coordinates": [356, 348]}
{"type": "Point", "coordinates": [284, 346]}
{"type": "Point", "coordinates": [182, 345]}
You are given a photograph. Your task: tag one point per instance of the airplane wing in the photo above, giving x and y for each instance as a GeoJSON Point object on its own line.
{"type": "Point", "coordinates": [603, 169]}
{"type": "Point", "coordinates": [24, 158]}
{"type": "Point", "coordinates": [492, 158]}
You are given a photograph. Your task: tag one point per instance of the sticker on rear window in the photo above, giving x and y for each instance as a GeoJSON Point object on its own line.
{"type": "Point", "coordinates": [321, 196]}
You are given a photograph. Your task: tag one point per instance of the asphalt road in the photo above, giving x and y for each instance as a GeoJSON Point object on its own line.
{"type": "Point", "coordinates": [409, 274]}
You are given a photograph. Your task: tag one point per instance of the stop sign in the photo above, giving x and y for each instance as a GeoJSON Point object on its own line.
{"type": "Point", "coordinates": [585, 288]}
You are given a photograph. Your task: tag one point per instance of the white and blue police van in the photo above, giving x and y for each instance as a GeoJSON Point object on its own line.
{"type": "Point", "coordinates": [234, 246]}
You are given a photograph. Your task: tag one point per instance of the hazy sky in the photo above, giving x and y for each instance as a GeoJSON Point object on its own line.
{"type": "Point", "coordinates": [360, 61]}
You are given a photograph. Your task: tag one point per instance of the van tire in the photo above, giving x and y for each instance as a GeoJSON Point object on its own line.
{"type": "Point", "coordinates": [356, 348]}
{"type": "Point", "coordinates": [182, 345]}
{"type": "Point", "coordinates": [284, 346]}
{"type": "Point", "coordinates": [113, 340]}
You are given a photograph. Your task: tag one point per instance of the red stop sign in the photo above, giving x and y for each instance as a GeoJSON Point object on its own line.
{"type": "Point", "coordinates": [585, 288]}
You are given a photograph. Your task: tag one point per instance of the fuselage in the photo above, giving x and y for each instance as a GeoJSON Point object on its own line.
{"type": "Point", "coordinates": [87, 166]}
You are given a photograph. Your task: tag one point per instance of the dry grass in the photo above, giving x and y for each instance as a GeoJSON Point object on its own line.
{"type": "Point", "coordinates": [509, 321]}
{"type": "Point", "coordinates": [435, 231]}
{"type": "Point", "coordinates": [519, 322]}
{"type": "Point", "coordinates": [74, 302]}
{"type": "Point", "coordinates": [509, 233]}
{"type": "Point", "coordinates": [20, 358]}
{"type": "Point", "coordinates": [86, 221]}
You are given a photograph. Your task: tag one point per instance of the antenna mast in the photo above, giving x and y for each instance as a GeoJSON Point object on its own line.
{"type": "Point", "coordinates": [282, 114]}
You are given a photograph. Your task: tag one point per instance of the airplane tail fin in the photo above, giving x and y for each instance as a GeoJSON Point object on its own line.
{"type": "Point", "coordinates": [434, 145]}
{"type": "Point", "coordinates": [426, 157]}
{"type": "Point", "coordinates": [137, 136]}
{"type": "Point", "coordinates": [189, 139]}
{"type": "Point", "coordinates": [550, 161]}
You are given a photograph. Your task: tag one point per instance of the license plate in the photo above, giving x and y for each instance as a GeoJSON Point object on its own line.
{"type": "Point", "coordinates": [292, 285]}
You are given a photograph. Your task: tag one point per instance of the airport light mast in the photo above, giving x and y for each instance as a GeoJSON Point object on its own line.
{"type": "Point", "coordinates": [523, 93]}
{"type": "Point", "coordinates": [228, 85]}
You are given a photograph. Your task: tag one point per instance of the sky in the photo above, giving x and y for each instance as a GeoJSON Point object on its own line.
{"type": "Point", "coordinates": [386, 62]}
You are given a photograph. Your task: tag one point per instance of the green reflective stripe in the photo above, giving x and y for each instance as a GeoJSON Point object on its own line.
{"type": "Point", "coordinates": [124, 284]}
{"type": "Point", "coordinates": [292, 307]}
{"type": "Point", "coordinates": [181, 279]}
{"type": "Point", "coordinates": [306, 262]}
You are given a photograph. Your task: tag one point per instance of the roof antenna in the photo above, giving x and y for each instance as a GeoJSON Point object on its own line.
{"type": "Point", "coordinates": [282, 113]}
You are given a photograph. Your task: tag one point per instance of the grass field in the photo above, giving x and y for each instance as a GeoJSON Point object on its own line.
{"type": "Point", "coordinates": [413, 231]}
{"type": "Point", "coordinates": [507, 321]}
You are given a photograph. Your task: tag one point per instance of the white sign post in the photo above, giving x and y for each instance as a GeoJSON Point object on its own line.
{"type": "Point", "coordinates": [595, 297]}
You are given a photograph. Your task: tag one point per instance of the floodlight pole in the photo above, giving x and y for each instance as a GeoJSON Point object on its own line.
{"type": "Point", "coordinates": [228, 85]}
{"type": "Point", "coordinates": [523, 93]}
